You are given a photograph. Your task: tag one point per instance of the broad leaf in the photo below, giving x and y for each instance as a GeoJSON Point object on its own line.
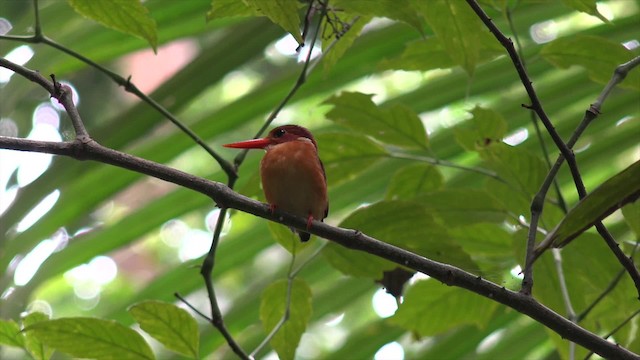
{"type": "Point", "coordinates": [631, 213]}
{"type": "Point", "coordinates": [486, 126]}
{"type": "Point", "coordinates": [614, 193]}
{"type": "Point", "coordinates": [170, 325]}
{"type": "Point", "coordinates": [272, 308]}
{"type": "Point", "coordinates": [578, 50]}
{"type": "Point", "coordinates": [348, 30]}
{"type": "Point", "coordinates": [404, 224]}
{"type": "Point", "coordinates": [286, 238]}
{"type": "Point", "coordinates": [489, 246]}
{"type": "Point", "coordinates": [397, 125]}
{"type": "Point", "coordinates": [10, 334]}
{"type": "Point", "coordinates": [346, 155]}
{"type": "Point", "coordinates": [522, 170]}
{"type": "Point", "coordinates": [431, 308]}
{"type": "Point", "coordinates": [282, 12]}
{"type": "Point", "coordinates": [34, 345]}
{"type": "Point", "coordinates": [457, 207]}
{"type": "Point", "coordinates": [382, 8]}
{"type": "Point", "coordinates": [586, 6]}
{"type": "Point", "coordinates": [92, 338]}
{"type": "Point", "coordinates": [229, 8]}
{"type": "Point", "coordinates": [414, 180]}
{"type": "Point", "coordinates": [458, 28]}
{"type": "Point", "coordinates": [127, 16]}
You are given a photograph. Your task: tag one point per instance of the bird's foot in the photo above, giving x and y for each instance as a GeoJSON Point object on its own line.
{"type": "Point", "coordinates": [309, 221]}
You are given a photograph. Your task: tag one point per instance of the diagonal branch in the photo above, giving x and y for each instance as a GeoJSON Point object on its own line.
{"type": "Point", "coordinates": [565, 154]}
{"type": "Point", "coordinates": [88, 149]}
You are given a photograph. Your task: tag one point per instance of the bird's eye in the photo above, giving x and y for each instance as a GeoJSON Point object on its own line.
{"type": "Point", "coordinates": [278, 133]}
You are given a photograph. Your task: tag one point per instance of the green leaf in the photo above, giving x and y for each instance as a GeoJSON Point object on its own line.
{"type": "Point", "coordinates": [32, 343]}
{"type": "Point", "coordinates": [343, 41]}
{"type": "Point", "coordinates": [346, 155]}
{"type": "Point", "coordinates": [614, 193]}
{"type": "Point", "coordinates": [287, 238]}
{"type": "Point", "coordinates": [404, 12]}
{"type": "Point", "coordinates": [422, 55]}
{"type": "Point", "coordinates": [404, 224]}
{"type": "Point", "coordinates": [414, 180]}
{"type": "Point", "coordinates": [489, 246]}
{"type": "Point", "coordinates": [586, 6]}
{"type": "Point", "coordinates": [127, 16]}
{"type": "Point", "coordinates": [272, 308]}
{"type": "Point", "coordinates": [170, 325]}
{"type": "Point", "coordinates": [397, 125]}
{"type": "Point", "coordinates": [600, 64]}
{"type": "Point", "coordinates": [431, 308]}
{"type": "Point", "coordinates": [519, 168]}
{"type": "Point", "coordinates": [10, 334]}
{"type": "Point", "coordinates": [281, 12]}
{"type": "Point", "coordinates": [458, 28]}
{"type": "Point", "coordinates": [484, 127]}
{"type": "Point", "coordinates": [229, 8]}
{"type": "Point", "coordinates": [457, 207]}
{"type": "Point", "coordinates": [631, 213]}
{"type": "Point", "coordinates": [92, 338]}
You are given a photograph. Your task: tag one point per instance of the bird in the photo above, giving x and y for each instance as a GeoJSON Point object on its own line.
{"type": "Point", "coordinates": [292, 174]}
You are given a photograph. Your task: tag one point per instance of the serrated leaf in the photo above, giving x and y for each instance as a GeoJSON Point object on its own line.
{"type": "Point", "coordinates": [92, 338]}
{"type": "Point", "coordinates": [229, 8]}
{"type": "Point", "coordinates": [10, 334]}
{"type": "Point", "coordinates": [600, 65]}
{"type": "Point", "coordinates": [272, 308]}
{"type": "Point", "coordinates": [413, 180]}
{"type": "Point", "coordinates": [32, 343]}
{"type": "Point", "coordinates": [422, 55]}
{"type": "Point", "coordinates": [404, 224]}
{"type": "Point", "coordinates": [614, 193]}
{"type": "Point", "coordinates": [458, 28]}
{"type": "Point", "coordinates": [484, 127]}
{"type": "Point", "coordinates": [281, 12]}
{"type": "Point", "coordinates": [346, 155]}
{"type": "Point", "coordinates": [431, 308]}
{"type": "Point", "coordinates": [127, 16]}
{"type": "Point", "coordinates": [286, 238]}
{"type": "Point", "coordinates": [586, 6]}
{"type": "Point", "coordinates": [404, 12]}
{"type": "Point", "coordinates": [396, 125]}
{"type": "Point", "coordinates": [343, 40]}
{"type": "Point", "coordinates": [170, 325]}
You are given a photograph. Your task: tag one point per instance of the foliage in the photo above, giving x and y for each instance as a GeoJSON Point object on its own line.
{"type": "Point", "coordinates": [419, 121]}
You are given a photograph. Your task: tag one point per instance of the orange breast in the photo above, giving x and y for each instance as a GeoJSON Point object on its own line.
{"type": "Point", "coordinates": [293, 179]}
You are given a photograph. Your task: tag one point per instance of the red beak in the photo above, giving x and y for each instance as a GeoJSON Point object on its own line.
{"type": "Point", "coordinates": [250, 144]}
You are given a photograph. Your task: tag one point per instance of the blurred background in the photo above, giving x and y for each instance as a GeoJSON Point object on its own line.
{"type": "Point", "coordinates": [88, 239]}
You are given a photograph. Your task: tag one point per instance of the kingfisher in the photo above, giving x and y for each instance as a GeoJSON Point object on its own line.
{"type": "Point", "coordinates": [293, 177]}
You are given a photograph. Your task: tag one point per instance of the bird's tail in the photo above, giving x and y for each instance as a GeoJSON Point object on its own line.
{"type": "Point", "coordinates": [304, 236]}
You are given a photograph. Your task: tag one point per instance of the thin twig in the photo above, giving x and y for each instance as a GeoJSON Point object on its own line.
{"type": "Point", "coordinates": [565, 152]}
{"type": "Point", "coordinates": [40, 38]}
{"type": "Point", "coordinates": [566, 299]}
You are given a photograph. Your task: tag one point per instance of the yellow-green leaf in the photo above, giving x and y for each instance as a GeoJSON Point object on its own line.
{"type": "Point", "coordinates": [10, 334]}
{"type": "Point", "coordinates": [92, 338]}
{"type": "Point", "coordinates": [170, 325]}
{"type": "Point", "coordinates": [396, 125]}
{"type": "Point", "coordinates": [431, 308]}
{"type": "Point", "coordinates": [127, 16]}
{"type": "Point", "coordinates": [580, 50]}
{"type": "Point", "coordinates": [272, 308]}
{"type": "Point", "coordinates": [281, 12]}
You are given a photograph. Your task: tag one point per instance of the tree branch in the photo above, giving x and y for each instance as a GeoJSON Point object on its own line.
{"type": "Point", "coordinates": [88, 149]}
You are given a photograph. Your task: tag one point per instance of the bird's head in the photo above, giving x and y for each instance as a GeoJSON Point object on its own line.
{"type": "Point", "coordinates": [279, 135]}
